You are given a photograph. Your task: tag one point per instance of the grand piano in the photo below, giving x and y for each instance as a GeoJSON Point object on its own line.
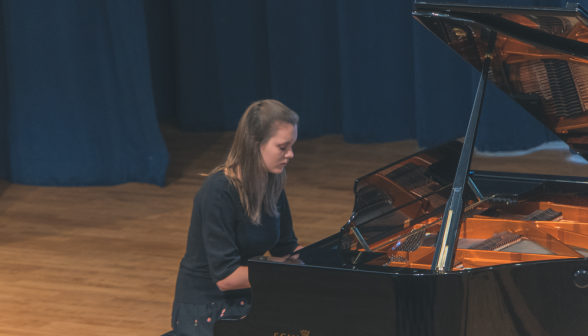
{"type": "Point", "coordinates": [434, 248]}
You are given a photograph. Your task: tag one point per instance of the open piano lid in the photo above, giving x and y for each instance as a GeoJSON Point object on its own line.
{"type": "Point", "coordinates": [540, 58]}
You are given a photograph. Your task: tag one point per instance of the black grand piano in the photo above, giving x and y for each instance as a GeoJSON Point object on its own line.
{"type": "Point", "coordinates": [433, 248]}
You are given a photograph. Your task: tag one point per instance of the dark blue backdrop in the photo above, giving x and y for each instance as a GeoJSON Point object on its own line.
{"type": "Point", "coordinates": [4, 165]}
{"type": "Point", "coordinates": [365, 69]}
{"type": "Point", "coordinates": [78, 97]}
{"type": "Point", "coordinates": [84, 82]}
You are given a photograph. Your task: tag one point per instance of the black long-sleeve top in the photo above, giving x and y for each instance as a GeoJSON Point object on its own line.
{"type": "Point", "coordinates": [222, 238]}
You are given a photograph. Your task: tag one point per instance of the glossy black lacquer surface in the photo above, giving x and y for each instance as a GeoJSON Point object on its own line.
{"type": "Point", "coordinates": [526, 299]}
{"type": "Point", "coordinates": [540, 59]}
{"type": "Point", "coordinates": [326, 293]}
{"type": "Point", "coordinates": [288, 299]}
{"type": "Point", "coordinates": [337, 286]}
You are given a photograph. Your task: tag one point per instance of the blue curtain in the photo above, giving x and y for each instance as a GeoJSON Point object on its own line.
{"type": "Point", "coordinates": [365, 69]}
{"type": "Point", "coordinates": [77, 94]}
{"type": "Point", "coordinates": [83, 83]}
{"type": "Point", "coordinates": [342, 65]}
{"type": "Point", "coordinates": [4, 147]}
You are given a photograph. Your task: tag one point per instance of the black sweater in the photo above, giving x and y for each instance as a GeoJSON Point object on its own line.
{"type": "Point", "coordinates": [222, 238]}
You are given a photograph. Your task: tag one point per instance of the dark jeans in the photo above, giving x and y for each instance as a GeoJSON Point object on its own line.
{"type": "Point", "coordinates": [198, 319]}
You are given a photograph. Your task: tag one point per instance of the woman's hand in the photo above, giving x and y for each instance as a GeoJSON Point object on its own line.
{"type": "Point", "coordinates": [295, 255]}
{"type": "Point", "coordinates": [240, 278]}
{"type": "Point", "coordinates": [290, 258]}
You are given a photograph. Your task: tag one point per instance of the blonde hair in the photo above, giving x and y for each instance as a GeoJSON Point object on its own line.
{"type": "Point", "coordinates": [257, 188]}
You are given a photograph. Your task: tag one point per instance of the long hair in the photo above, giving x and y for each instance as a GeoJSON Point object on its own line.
{"type": "Point", "coordinates": [258, 189]}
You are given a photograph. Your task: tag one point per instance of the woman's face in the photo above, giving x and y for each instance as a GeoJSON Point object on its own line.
{"type": "Point", "coordinates": [277, 151]}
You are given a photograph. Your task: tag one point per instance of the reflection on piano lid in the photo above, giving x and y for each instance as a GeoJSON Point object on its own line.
{"type": "Point", "coordinates": [540, 59]}
{"type": "Point", "coordinates": [519, 263]}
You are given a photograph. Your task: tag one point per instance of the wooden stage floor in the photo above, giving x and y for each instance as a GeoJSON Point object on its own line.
{"type": "Point", "coordinates": [103, 260]}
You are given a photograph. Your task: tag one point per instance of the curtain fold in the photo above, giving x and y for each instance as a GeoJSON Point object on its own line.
{"type": "Point", "coordinates": [377, 71]}
{"type": "Point", "coordinates": [81, 104]}
{"type": "Point", "coordinates": [4, 117]}
{"type": "Point", "coordinates": [160, 28]}
{"type": "Point", "coordinates": [304, 65]}
{"type": "Point", "coordinates": [222, 61]}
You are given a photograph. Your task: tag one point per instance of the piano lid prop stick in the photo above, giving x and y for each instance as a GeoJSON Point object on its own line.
{"type": "Point", "coordinates": [445, 248]}
{"type": "Point", "coordinates": [360, 239]}
{"type": "Point", "coordinates": [475, 189]}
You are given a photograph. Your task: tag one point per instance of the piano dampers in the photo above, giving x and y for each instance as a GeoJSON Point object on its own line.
{"type": "Point", "coordinates": [410, 243]}
{"type": "Point", "coordinates": [553, 24]}
{"type": "Point", "coordinates": [414, 179]}
{"type": "Point", "coordinates": [407, 168]}
{"type": "Point", "coordinates": [580, 74]}
{"type": "Point", "coordinates": [563, 88]}
{"type": "Point", "coordinates": [410, 176]}
{"type": "Point", "coordinates": [533, 79]}
{"type": "Point", "coordinates": [498, 241]}
{"type": "Point", "coordinates": [543, 215]}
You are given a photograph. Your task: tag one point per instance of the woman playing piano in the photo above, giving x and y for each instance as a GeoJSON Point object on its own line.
{"type": "Point", "coordinates": [241, 211]}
